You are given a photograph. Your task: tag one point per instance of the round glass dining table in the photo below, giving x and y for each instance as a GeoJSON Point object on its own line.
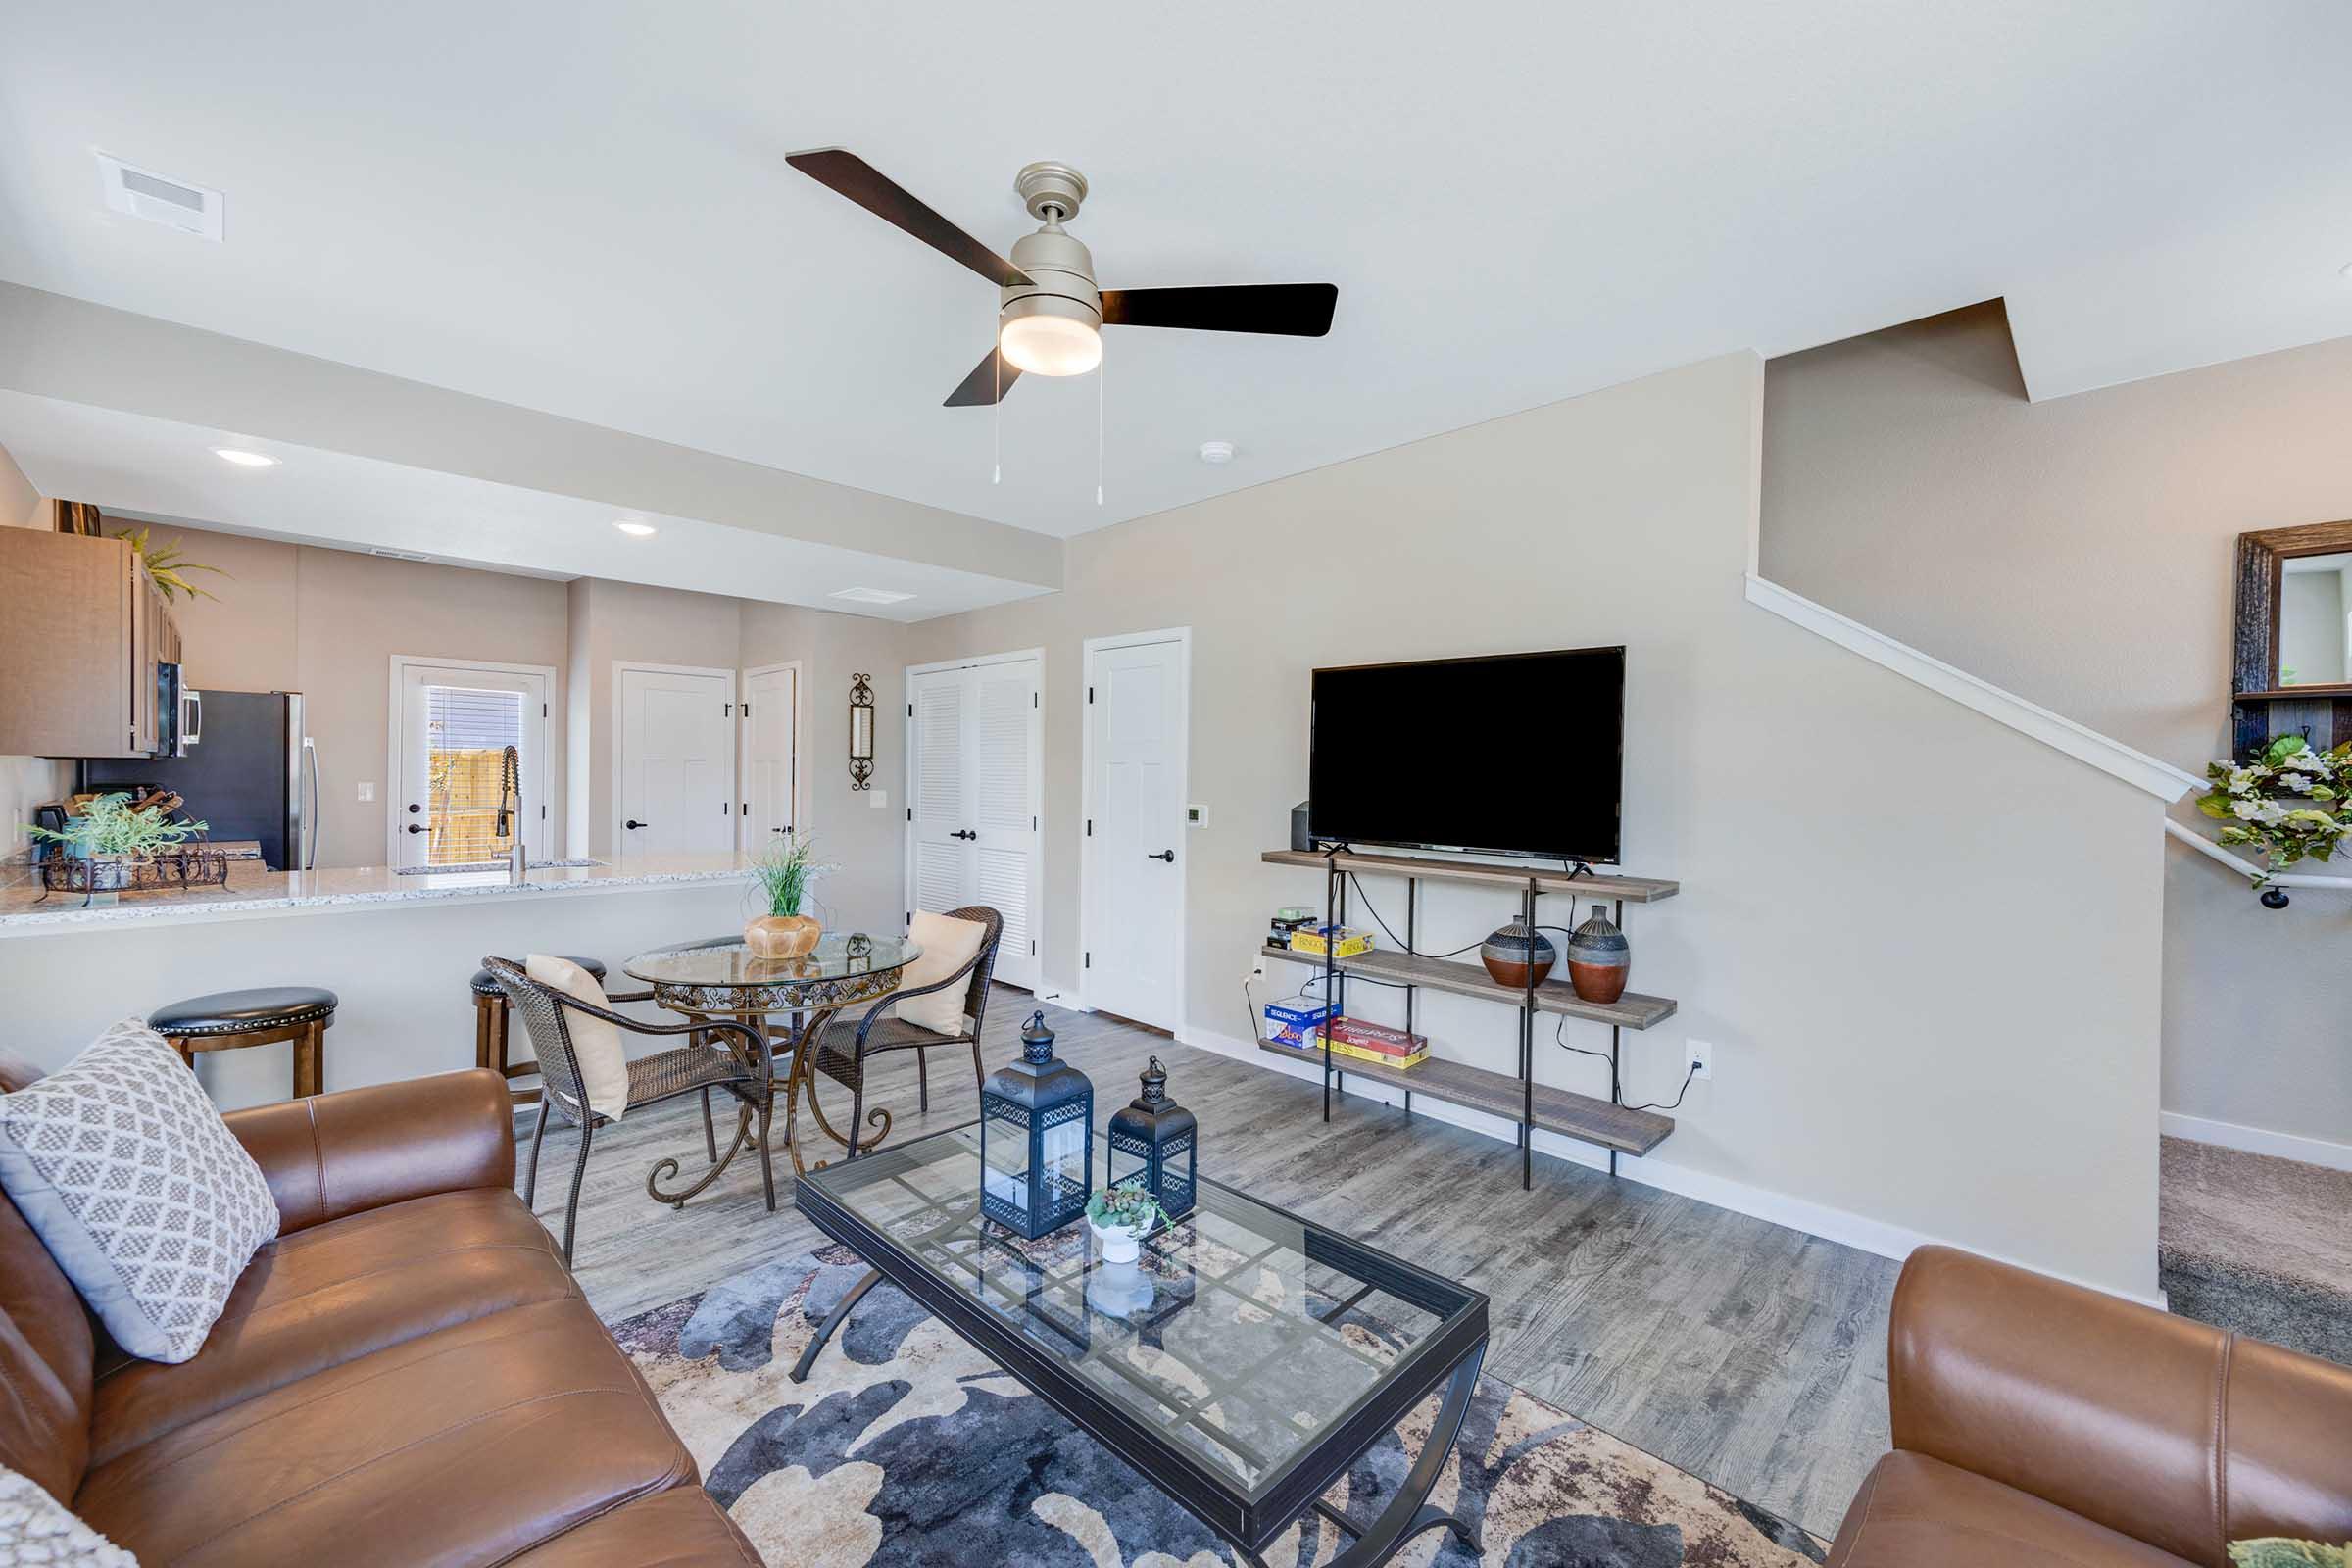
{"type": "Point", "coordinates": [787, 1004]}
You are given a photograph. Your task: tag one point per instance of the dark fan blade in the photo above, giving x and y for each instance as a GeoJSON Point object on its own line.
{"type": "Point", "coordinates": [852, 176]}
{"type": "Point", "coordinates": [1294, 309]}
{"type": "Point", "coordinates": [988, 381]}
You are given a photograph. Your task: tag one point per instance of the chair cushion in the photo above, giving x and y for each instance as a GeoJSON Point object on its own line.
{"type": "Point", "coordinates": [331, 1294]}
{"type": "Point", "coordinates": [672, 1529]}
{"type": "Point", "coordinates": [1915, 1510]}
{"type": "Point", "coordinates": [137, 1190]}
{"type": "Point", "coordinates": [485, 984]}
{"type": "Point", "coordinates": [595, 1043]}
{"type": "Point", "coordinates": [949, 947]}
{"type": "Point", "coordinates": [469, 1445]}
{"type": "Point", "coordinates": [236, 1012]}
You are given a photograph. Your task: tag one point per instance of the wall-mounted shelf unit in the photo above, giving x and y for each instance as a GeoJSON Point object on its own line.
{"type": "Point", "coordinates": [1619, 1128]}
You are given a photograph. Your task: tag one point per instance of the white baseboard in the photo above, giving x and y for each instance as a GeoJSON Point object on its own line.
{"type": "Point", "coordinates": [2257, 1140]}
{"type": "Point", "coordinates": [1842, 1226]}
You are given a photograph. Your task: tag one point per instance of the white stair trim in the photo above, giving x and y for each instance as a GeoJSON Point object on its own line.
{"type": "Point", "coordinates": [2159, 778]}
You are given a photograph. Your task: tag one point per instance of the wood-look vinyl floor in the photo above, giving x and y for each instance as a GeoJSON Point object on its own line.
{"type": "Point", "coordinates": [1751, 1356]}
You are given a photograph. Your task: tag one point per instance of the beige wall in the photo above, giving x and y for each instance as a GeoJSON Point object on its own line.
{"type": "Point", "coordinates": [2080, 553]}
{"type": "Point", "coordinates": [326, 623]}
{"type": "Point", "coordinates": [25, 781]}
{"type": "Point", "coordinates": [1846, 888]}
{"type": "Point", "coordinates": [859, 831]}
{"type": "Point", "coordinates": [635, 623]}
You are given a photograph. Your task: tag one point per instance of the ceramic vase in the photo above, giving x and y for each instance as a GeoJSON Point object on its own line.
{"type": "Point", "coordinates": [783, 936]}
{"type": "Point", "coordinates": [1120, 1243]}
{"type": "Point", "coordinates": [1507, 955]}
{"type": "Point", "coordinates": [1599, 957]}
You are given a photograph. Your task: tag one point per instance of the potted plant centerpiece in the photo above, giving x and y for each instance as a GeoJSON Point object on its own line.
{"type": "Point", "coordinates": [1120, 1218]}
{"type": "Point", "coordinates": [112, 837]}
{"type": "Point", "coordinates": [784, 872]}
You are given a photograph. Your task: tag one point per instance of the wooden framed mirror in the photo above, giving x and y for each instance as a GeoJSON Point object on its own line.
{"type": "Point", "coordinates": [2293, 671]}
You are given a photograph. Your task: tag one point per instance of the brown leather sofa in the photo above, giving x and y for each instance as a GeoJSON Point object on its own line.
{"type": "Point", "coordinates": [408, 1374]}
{"type": "Point", "coordinates": [2038, 1422]}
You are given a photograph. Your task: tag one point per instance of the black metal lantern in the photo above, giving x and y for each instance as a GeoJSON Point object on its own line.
{"type": "Point", "coordinates": [1036, 1137]}
{"type": "Point", "coordinates": [1154, 1145]}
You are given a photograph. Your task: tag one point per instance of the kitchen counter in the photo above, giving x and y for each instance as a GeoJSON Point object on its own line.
{"type": "Point", "coordinates": [252, 893]}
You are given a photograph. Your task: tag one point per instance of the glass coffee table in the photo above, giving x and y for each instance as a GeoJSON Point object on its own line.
{"type": "Point", "coordinates": [1243, 1364]}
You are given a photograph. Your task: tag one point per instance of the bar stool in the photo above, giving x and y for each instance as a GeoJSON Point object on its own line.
{"type": "Point", "coordinates": [227, 1020]}
{"type": "Point", "coordinates": [490, 1030]}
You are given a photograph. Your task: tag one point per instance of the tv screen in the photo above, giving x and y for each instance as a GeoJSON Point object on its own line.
{"type": "Point", "coordinates": [1516, 753]}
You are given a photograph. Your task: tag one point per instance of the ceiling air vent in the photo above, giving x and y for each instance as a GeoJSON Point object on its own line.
{"type": "Point", "coordinates": [397, 554]}
{"type": "Point", "coordinates": [161, 199]}
{"type": "Point", "coordinates": [869, 596]}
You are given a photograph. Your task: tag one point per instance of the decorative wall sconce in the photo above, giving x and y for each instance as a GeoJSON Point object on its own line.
{"type": "Point", "coordinates": [862, 730]}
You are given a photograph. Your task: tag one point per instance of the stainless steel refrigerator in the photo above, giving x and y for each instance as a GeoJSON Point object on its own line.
{"type": "Point", "coordinates": [247, 771]}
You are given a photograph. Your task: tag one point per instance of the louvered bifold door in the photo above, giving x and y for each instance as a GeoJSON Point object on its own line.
{"type": "Point", "coordinates": [1005, 808]}
{"type": "Point", "coordinates": [942, 806]}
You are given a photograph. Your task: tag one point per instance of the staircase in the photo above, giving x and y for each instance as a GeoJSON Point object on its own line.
{"type": "Point", "coordinates": [2257, 1244]}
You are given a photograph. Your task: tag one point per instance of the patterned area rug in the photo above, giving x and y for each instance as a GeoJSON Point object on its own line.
{"type": "Point", "coordinates": [908, 1446]}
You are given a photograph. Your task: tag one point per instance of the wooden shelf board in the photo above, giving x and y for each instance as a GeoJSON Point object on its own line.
{"type": "Point", "coordinates": [2329, 693]}
{"type": "Point", "coordinates": [1631, 889]}
{"type": "Point", "coordinates": [1556, 1110]}
{"type": "Point", "coordinates": [1632, 1011]}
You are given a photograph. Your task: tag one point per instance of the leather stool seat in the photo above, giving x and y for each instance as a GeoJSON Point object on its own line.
{"type": "Point", "coordinates": [239, 1013]}
{"type": "Point", "coordinates": [485, 986]}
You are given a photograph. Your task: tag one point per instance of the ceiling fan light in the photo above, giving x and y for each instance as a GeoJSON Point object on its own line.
{"type": "Point", "coordinates": [1047, 336]}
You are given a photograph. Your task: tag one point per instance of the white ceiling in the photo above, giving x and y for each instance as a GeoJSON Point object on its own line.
{"type": "Point", "coordinates": [582, 207]}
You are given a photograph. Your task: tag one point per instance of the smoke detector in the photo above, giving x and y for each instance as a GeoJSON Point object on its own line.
{"type": "Point", "coordinates": [1217, 452]}
{"type": "Point", "coordinates": [871, 596]}
{"type": "Point", "coordinates": [161, 199]}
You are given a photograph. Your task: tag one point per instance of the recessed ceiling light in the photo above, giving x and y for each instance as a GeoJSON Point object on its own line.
{"type": "Point", "coordinates": [633, 529]}
{"type": "Point", "coordinates": [2345, 272]}
{"type": "Point", "coordinates": [871, 596]}
{"type": "Point", "coordinates": [1216, 451]}
{"type": "Point", "coordinates": [244, 459]}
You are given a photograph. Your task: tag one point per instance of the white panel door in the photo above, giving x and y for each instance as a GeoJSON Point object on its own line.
{"type": "Point", "coordinates": [456, 721]}
{"type": "Point", "coordinates": [940, 803]}
{"type": "Point", "coordinates": [676, 762]}
{"type": "Point", "coordinates": [973, 786]}
{"type": "Point", "coordinates": [770, 724]}
{"type": "Point", "coordinates": [1005, 751]}
{"type": "Point", "coordinates": [1136, 726]}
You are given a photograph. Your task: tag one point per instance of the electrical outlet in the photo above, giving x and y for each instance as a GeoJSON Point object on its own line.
{"type": "Point", "coordinates": [366, 790]}
{"type": "Point", "coordinates": [1703, 1059]}
{"type": "Point", "coordinates": [879, 801]}
{"type": "Point", "coordinates": [1257, 968]}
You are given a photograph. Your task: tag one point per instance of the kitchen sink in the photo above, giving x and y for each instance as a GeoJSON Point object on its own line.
{"type": "Point", "coordinates": [489, 865]}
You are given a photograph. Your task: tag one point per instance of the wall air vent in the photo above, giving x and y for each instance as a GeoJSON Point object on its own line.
{"type": "Point", "coordinates": [161, 199]}
{"type": "Point", "coordinates": [398, 555]}
{"type": "Point", "coordinates": [871, 596]}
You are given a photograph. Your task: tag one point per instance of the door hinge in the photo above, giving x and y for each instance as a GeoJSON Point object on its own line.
{"type": "Point", "coordinates": [1033, 947]}
{"type": "Point", "coordinates": [1089, 827]}
{"type": "Point", "coordinates": [747, 807]}
{"type": "Point", "coordinates": [910, 813]}
{"type": "Point", "coordinates": [1089, 960]}
{"type": "Point", "coordinates": [542, 813]}
{"type": "Point", "coordinates": [724, 809]}
{"type": "Point", "coordinates": [909, 710]}
{"type": "Point", "coordinates": [1090, 693]}
{"type": "Point", "coordinates": [1033, 824]}
{"type": "Point", "coordinates": [542, 710]}
{"type": "Point", "coordinates": [747, 710]}
{"type": "Point", "coordinates": [911, 918]}
{"type": "Point", "coordinates": [1033, 700]}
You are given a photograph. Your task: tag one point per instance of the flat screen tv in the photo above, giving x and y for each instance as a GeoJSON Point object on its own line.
{"type": "Point", "coordinates": [1513, 753]}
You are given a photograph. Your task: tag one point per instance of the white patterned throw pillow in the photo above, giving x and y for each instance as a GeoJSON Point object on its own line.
{"type": "Point", "coordinates": [137, 1188]}
{"type": "Point", "coordinates": [36, 1528]}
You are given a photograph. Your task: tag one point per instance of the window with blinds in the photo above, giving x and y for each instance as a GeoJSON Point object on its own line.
{"type": "Point", "coordinates": [467, 732]}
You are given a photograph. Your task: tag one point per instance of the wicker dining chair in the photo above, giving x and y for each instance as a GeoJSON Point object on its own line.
{"type": "Point", "coordinates": [682, 1069]}
{"type": "Point", "coordinates": [878, 1034]}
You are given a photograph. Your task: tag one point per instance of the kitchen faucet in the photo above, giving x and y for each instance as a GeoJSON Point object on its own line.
{"type": "Point", "coordinates": [510, 812]}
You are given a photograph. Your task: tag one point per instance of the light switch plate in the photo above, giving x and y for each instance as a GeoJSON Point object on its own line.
{"type": "Point", "coordinates": [366, 790]}
{"type": "Point", "coordinates": [1196, 816]}
{"type": "Point", "coordinates": [880, 800]}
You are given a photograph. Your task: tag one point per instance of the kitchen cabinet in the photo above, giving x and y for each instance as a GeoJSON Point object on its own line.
{"type": "Point", "coordinates": [82, 631]}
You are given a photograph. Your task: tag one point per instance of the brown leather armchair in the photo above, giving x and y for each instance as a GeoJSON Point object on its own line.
{"type": "Point", "coordinates": [2039, 1422]}
{"type": "Point", "coordinates": [408, 1374]}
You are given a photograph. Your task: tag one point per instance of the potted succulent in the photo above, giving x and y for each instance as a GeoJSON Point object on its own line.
{"type": "Point", "coordinates": [111, 835]}
{"type": "Point", "coordinates": [784, 872]}
{"type": "Point", "coordinates": [1121, 1217]}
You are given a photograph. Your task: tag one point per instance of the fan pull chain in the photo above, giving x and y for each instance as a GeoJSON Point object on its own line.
{"type": "Point", "coordinates": [1101, 371]}
{"type": "Point", "coordinates": [996, 417]}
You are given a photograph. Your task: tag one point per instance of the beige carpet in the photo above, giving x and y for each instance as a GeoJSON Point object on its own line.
{"type": "Point", "coordinates": [2259, 1245]}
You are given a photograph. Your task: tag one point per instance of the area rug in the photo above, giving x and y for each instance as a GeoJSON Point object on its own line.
{"type": "Point", "coordinates": [908, 1446]}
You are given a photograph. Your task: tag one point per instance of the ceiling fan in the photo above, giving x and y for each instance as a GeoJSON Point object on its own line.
{"type": "Point", "coordinates": [1050, 317]}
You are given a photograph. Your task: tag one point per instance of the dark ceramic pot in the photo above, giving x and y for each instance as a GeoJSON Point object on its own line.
{"type": "Point", "coordinates": [1598, 957]}
{"type": "Point", "coordinates": [1505, 953]}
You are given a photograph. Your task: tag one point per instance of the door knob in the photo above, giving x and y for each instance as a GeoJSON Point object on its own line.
{"type": "Point", "coordinates": [1168, 855]}
{"type": "Point", "coordinates": [633, 822]}
{"type": "Point", "coordinates": [415, 827]}
{"type": "Point", "coordinates": [964, 833]}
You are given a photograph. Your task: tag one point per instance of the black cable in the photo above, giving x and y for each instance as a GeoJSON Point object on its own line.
{"type": "Point", "coordinates": [1392, 936]}
{"type": "Point", "coordinates": [1678, 1097]}
{"type": "Point", "coordinates": [1559, 1038]}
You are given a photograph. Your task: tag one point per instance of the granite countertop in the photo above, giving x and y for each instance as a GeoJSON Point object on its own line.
{"type": "Point", "coordinates": [250, 890]}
